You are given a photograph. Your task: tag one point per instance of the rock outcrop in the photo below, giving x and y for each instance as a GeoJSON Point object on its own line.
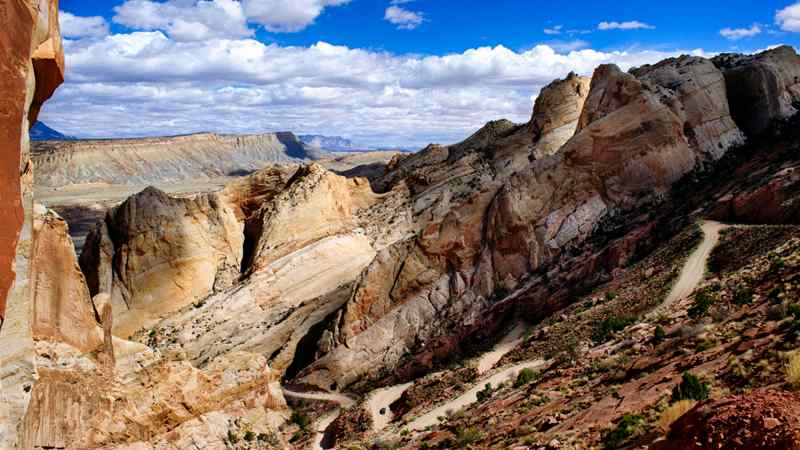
{"type": "Point", "coordinates": [501, 218]}
{"type": "Point", "coordinates": [31, 68]}
{"type": "Point", "coordinates": [170, 159]}
{"type": "Point", "coordinates": [761, 420]}
{"type": "Point", "coordinates": [155, 254]}
{"type": "Point", "coordinates": [762, 88]}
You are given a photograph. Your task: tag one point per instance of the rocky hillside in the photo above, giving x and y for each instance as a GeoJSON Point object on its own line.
{"type": "Point", "coordinates": [169, 159]}
{"type": "Point", "coordinates": [539, 285]}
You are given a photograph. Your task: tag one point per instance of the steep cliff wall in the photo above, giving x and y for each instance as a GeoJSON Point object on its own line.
{"type": "Point", "coordinates": [31, 68]}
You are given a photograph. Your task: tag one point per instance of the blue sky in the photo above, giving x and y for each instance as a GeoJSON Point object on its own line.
{"type": "Point", "coordinates": [383, 72]}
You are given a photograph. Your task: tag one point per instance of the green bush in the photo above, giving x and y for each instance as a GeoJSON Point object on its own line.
{"type": "Point", "coordinates": [301, 420]}
{"type": "Point", "coordinates": [659, 335]}
{"type": "Point", "coordinates": [485, 393]}
{"type": "Point", "coordinates": [627, 427]}
{"type": "Point", "coordinates": [612, 325]}
{"type": "Point", "coordinates": [702, 303]}
{"type": "Point", "coordinates": [468, 437]}
{"type": "Point", "coordinates": [232, 437]}
{"type": "Point", "coordinates": [691, 388]}
{"type": "Point", "coordinates": [525, 376]}
{"type": "Point", "coordinates": [610, 296]}
{"type": "Point", "coordinates": [794, 310]}
{"type": "Point", "coordinates": [249, 436]}
{"type": "Point", "coordinates": [743, 296]}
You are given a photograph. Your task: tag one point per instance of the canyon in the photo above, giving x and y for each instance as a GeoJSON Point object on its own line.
{"type": "Point", "coordinates": [506, 291]}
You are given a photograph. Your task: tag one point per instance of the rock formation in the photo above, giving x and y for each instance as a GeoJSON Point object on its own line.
{"type": "Point", "coordinates": [762, 88]}
{"type": "Point", "coordinates": [31, 68]}
{"type": "Point", "coordinates": [153, 160]}
{"type": "Point", "coordinates": [477, 244]}
{"type": "Point", "coordinates": [187, 312]}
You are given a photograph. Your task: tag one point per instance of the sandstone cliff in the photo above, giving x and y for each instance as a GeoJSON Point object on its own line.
{"type": "Point", "coordinates": [31, 68]}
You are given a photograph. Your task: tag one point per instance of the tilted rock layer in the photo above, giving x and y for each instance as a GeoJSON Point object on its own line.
{"type": "Point", "coordinates": [188, 312]}
{"type": "Point", "coordinates": [31, 68]}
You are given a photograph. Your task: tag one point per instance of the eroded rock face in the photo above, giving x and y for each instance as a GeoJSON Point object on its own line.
{"type": "Point", "coordinates": [169, 253]}
{"type": "Point", "coordinates": [556, 112]}
{"type": "Point", "coordinates": [62, 307]}
{"type": "Point", "coordinates": [155, 254]}
{"type": "Point", "coordinates": [489, 217]}
{"type": "Point", "coordinates": [762, 88]}
{"type": "Point", "coordinates": [31, 68]}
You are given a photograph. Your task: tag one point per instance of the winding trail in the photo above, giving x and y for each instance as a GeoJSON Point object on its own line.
{"type": "Point", "coordinates": [691, 276]}
{"type": "Point", "coordinates": [431, 418]}
{"type": "Point", "coordinates": [694, 271]}
{"type": "Point", "coordinates": [508, 343]}
{"type": "Point", "coordinates": [325, 421]}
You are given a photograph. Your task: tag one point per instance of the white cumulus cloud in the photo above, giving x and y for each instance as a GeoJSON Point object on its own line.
{"type": "Point", "coordinates": [287, 15]}
{"type": "Point", "coordinates": [631, 25]}
{"type": "Point", "coordinates": [148, 83]}
{"type": "Point", "coordinates": [789, 18]}
{"type": "Point", "coordinates": [185, 21]}
{"type": "Point", "coordinates": [73, 26]}
{"type": "Point", "coordinates": [739, 33]}
{"type": "Point", "coordinates": [403, 18]}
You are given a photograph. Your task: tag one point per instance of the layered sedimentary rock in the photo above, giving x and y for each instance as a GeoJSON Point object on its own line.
{"type": "Point", "coordinates": [294, 277]}
{"type": "Point", "coordinates": [762, 88]}
{"type": "Point", "coordinates": [31, 68]}
{"type": "Point", "coordinates": [501, 217]}
{"type": "Point", "coordinates": [171, 159]}
{"type": "Point", "coordinates": [555, 116]}
{"type": "Point", "coordinates": [155, 254]}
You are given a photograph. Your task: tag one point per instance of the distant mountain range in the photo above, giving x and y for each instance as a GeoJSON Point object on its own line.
{"type": "Point", "coordinates": [41, 132]}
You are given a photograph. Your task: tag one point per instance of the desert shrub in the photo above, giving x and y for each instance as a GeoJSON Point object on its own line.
{"type": "Point", "coordinates": [610, 326]}
{"type": "Point", "coordinates": [469, 436]}
{"type": "Point", "coordinates": [300, 419]}
{"type": "Point", "coordinates": [232, 437]}
{"type": "Point", "coordinates": [743, 296]}
{"type": "Point", "coordinates": [778, 312]}
{"type": "Point", "coordinates": [691, 388]}
{"type": "Point", "coordinates": [793, 370]}
{"type": "Point", "coordinates": [659, 335]}
{"type": "Point", "coordinates": [626, 428]}
{"type": "Point", "coordinates": [704, 345]}
{"type": "Point", "coordinates": [702, 303]}
{"type": "Point", "coordinates": [249, 436]}
{"type": "Point", "coordinates": [485, 393]}
{"type": "Point", "coordinates": [673, 413]}
{"type": "Point", "coordinates": [525, 376]}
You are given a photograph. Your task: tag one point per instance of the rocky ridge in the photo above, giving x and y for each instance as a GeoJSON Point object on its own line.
{"type": "Point", "coordinates": [168, 159]}
{"type": "Point", "coordinates": [189, 312]}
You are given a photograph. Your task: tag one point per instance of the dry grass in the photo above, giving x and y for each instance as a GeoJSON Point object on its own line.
{"type": "Point", "coordinates": [673, 413]}
{"type": "Point", "coordinates": [793, 370]}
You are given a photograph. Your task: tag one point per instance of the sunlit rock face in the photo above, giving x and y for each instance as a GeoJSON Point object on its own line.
{"type": "Point", "coordinates": [762, 88]}
{"type": "Point", "coordinates": [503, 204]}
{"type": "Point", "coordinates": [31, 68]}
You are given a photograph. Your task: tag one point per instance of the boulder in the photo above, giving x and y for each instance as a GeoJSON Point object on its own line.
{"type": "Point", "coordinates": [761, 420]}
{"type": "Point", "coordinates": [762, 88]}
